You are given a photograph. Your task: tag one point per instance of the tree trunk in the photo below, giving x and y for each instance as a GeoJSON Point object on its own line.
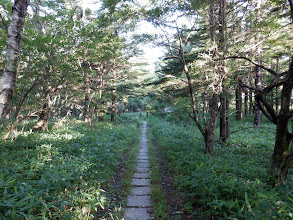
{"type": "Point", "coordinates": [211, 125]}
{"type": "Point", "coordinates": [113, 106]}
{"type": "Point", "coordinates": [238, 93]}
{"type": "Point", "coordinates": [113, 109]}
{"type": "Point", "coordinates": [24, 96]}
{"type": "Point", "coordinates": [281, 150]}
{"type": "Point", "coordinates": [224, 118]}
{"type": "Point", "coordinates": [45, 112]}
{"type": "Point", "coordinates": [277, 88]}
{"type": "Point", "coordinates": [46, 109]}
{"type": "Point", "coordinates": [246, 98]}
{"type": "Point", "coordinates": [282, 157]}
{"type": "Point", "coordinates": [12, 60]}
{"type": "Point", "coordinates": [257, 111]}
{"type": "Point", "coordinates": [224, 114]}
{"type": "Point", "coordinates": [86, 106]}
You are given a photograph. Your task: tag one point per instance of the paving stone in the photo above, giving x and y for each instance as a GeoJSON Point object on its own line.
{"type": "Point", "coordinates": [138, 201]}
{"type": "Point", "coordinates": [143, 152]}
{"type": "Point", "coordinates": [143, 160]}
{"type": "Point", "coordinates": [142, 169]}
{"type": "Point", "coordinates": [141, 190]}
{"type": "Point", "coordinates": [145, 157]}
{"type": "Point", "coordinates": [141, 182]}
{"type": "Point", "coordinates": [143, 165]}
{"type": "Point", "coordinates": [137, 214]}
{"type": "Point", "coordinates": [141, 175]}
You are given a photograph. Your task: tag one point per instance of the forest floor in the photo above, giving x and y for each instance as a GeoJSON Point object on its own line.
{"type": "Point", "coordinates": [70, 172]}
{"type": "Point", "coordinates": [175, 202]}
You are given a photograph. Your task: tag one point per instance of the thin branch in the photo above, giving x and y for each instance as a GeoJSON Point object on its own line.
{"type": "Point", "coordinates": [251, 61]}
{"type": "Point", "coordinates": [247, 86]}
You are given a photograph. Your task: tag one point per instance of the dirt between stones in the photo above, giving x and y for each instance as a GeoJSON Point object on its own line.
{"type": "Point", "coordinates": [175, 202]}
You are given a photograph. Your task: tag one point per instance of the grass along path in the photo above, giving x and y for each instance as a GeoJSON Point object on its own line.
{"type": "Point", "coordinates": [167, 202]}
{"type": "Point", "coordinates": [63, 173]}
{"type": "Point", "coordinates": [233, 183]}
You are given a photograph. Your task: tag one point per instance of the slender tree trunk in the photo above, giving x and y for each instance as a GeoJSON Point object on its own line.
{"type": "Point", "coordinates": [277, 88]}
{"type": "Point", "coordinates": [17, 110]}
{"type": "Point", "coordinates": [190, 86]}
{"type": "Point", "coordinates": [257, 111]}
{"type": "Point", "coordinates": [258, 85]}
{"type": "Point", "coordinates": [24, 96]}
{"type": "Point", "coordinates": [113, 106]}
{"type": "Point", "coordinates": [100, 109]}
{"type": "Point", "coordinates": [113, 109]}
{"type": "Point", "coordinates": [246, 98]}
{"type": "Point", "coordinates": [251, 105]}
{"type": "Point", "coordinates": [12, 60]}
{"type": "Point", "coordinates": [86, 106]}
{"type": "Point", "coordinates": [238, 93]}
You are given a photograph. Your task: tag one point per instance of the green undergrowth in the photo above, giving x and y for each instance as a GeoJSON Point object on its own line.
{"type": "Point", "coordinates": [159, 203]}
{"type": "Point", "coordinates": [232, 184]}
{"type": "Point", "coordinates": [62, 173]}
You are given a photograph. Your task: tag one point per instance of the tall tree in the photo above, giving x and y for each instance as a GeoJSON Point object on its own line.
{"type": "Point", "coordinates": [12, 60]}
{"type": "Point", "coordinates": [282, 156]}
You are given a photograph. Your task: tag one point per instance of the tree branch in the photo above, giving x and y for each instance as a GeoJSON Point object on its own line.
{"type": "Point", "coordinates": [247, 86]}
{"type": "Point", "coordinates": [254, 63]}
{"type": "Point", "coordinates": [270, 109]}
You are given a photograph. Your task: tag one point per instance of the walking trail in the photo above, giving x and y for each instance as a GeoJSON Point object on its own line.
{"type": "Point", "coordinates": [139, 201]}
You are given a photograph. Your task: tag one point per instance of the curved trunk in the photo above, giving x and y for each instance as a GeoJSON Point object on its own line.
{"type": "Point", "coordinates": [282, 157]}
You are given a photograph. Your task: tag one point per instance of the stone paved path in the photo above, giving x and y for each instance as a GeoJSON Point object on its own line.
{"type": "Point", "coordinates": [139, 202]}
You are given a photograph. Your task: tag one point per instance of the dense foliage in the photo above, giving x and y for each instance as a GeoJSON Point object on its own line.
{"type": "Point", "coordinates": [223, 58]}
{"type": "Point", "coordinates": [62, 173]}
{"type": "Point", "coordinates": [233, 184]}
